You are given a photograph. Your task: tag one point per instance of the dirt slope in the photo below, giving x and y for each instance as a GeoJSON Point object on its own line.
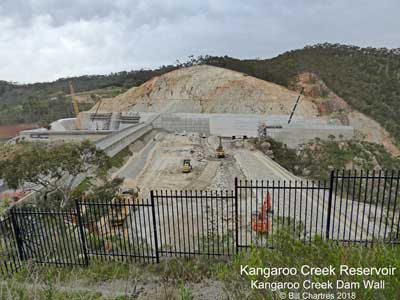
{"type": "Point", "coordinates": [208, 89]}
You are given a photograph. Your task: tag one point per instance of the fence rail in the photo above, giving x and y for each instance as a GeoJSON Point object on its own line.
{"type": "Point", "coordinates": [10, 262]}
{"type": "Point", "coordinates": [195, 222]}
{"type": "Point", "coordinates": [119, 230]}
{"type": "Point", "coordinates": [351, 207]}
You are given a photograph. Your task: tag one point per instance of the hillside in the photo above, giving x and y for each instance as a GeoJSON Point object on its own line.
{"type": "Point", "coordinates": [49, 101]}
{"type": "Point", "coordinates": [366, 78]}
{"type": "Point", "coordinates": [208, 89]}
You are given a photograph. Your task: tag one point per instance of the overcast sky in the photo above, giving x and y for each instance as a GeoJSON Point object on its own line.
{"type": "Point", "coordinates": [42, 40]}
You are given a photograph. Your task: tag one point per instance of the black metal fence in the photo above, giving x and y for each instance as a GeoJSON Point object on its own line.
{"type": "Point", "coordinates": [49, 237]}
{"type": "Point", "coordinates": [9, 260]}
{"type": "Point", "coordinates": [194, 223]}
{"type": "Point", "coordinates": [352, 207]}
{"type": "Point", "coordinates": [356, 207]}
{"type": "Point", "coordinates": [120, 230]}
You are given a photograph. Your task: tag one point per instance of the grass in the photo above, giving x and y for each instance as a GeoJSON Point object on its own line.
{"type": "Point", "coordinates": [316, 159]}
{"type": "Point", "coordinates": [175, 278]}
{"type": "Point", "coordinates": [118, 160]}
{"type": "Point", "coordinates": [4, 205]}
{"type": "Point", "coordinates": [295, 254]}
{"type": "Point", "coordinates": [83, 186]}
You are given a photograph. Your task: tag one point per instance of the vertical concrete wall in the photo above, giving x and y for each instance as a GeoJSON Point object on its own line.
{"type": "Point", "coordinates": [293, 136]}
{"type": "Point", "coordinates": [183, 122]}
{"type": "Point", "coordinates": [234, 125]}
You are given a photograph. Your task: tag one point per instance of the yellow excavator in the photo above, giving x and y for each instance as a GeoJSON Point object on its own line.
{"type": "Point", "coordinates": [220, 152]}
{"type": "Point", "coordinates": [187, 167]}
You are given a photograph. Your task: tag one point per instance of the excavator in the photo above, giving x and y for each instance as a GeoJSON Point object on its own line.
{"type": "Point", "coordinates": [187, 167]}
{"type": "Point", "coordinates": [261, 222]}
{"type": "Point", "coordinates": [109, 226]}
{"type": "Point", "coordinates": [220, 152]}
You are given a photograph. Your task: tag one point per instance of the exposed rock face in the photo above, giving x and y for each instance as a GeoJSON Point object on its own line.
{"type": "Point", "coordinates": [327, 101]}
{"type": "Point", "coordinates": [207, 89]}
{"type": "Point", "coordinates": [331, 105]}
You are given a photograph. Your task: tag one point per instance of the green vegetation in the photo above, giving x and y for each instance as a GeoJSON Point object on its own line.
{"type": "Point", "coordinates": [118, 160]}
{"type": "Point", "coordinates": [45, 102]}
{"type": "Point", "coordinates": [51, 168]}
{"type": "Point", "coordinates": [367, 78]}
{"type": "Point", "coordinates": [4, 204]}
{"type": "Point", "coordinates": [289, 253]}
{"type": "Point", "coordinates": [316, 159]}
{"type": "Point", "coordinates": [184, 279]}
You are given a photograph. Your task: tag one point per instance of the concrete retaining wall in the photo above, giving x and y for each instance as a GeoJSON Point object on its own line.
{"type": "Point", "coordinates": [182, 122]}
{"type": "Point", "coordinates": [64, 124]}
{"type": "Point", "coordinates": [300, 131]}
{"type": "Point", "coordinates": [63, 136]}
{"type": "Point", "coordinates": [294, 136]}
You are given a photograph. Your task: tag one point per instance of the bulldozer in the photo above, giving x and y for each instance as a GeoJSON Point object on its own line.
{"type": "Point", "coordinates": [187, 167]}
{"type": "Point", "coordinates": [220, 152]}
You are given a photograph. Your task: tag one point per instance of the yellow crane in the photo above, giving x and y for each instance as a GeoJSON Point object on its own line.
{"type": "Point", "coordinates": [74, 101]}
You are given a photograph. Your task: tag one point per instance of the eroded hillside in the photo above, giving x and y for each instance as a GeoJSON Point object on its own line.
{"type": "Point", "coordinates": [207, 89]}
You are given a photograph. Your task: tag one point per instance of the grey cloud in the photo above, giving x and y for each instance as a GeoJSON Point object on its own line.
{"type": "Point", "coordinates": [44, 39]}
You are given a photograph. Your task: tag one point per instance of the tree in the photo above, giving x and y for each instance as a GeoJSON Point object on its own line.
{"type": "Point", "coordinates": [52, 168]}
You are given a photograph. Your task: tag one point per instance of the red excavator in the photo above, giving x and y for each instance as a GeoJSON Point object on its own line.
{"type": "Point", "coordinates": [262, 221]}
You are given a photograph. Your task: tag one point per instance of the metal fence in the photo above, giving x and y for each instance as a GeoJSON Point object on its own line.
{"type": "Point", "coordinates": [120, 230]}
{"type": "Point", "coordinates": [194, 223]}
{"type": "Point", "coordinates": [49, 237]}
{"type": "Point", "coordinates": [9, 260]}
{"type": "Point", "coordinates": [351, 207]}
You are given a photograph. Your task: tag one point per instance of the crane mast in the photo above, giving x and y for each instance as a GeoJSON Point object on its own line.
{"type": "Point", "coordinates": [295, 106]}
{"type": "Point", "coordinates": [74, 101]}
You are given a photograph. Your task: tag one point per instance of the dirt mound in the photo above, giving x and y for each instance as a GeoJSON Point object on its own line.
{"type": "Point", "coordinates": [207, 89]}
{"type": "Point", "coordinates": [8, 131]}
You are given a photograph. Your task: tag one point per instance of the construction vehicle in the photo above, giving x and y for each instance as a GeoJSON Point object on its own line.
{"type": "Point", "coordinates": [220, 152]}
{"type": "Point", "coordinates": [187, 167]}
{"type": "Point", "coordinates": [262, 221]}
{"type": "Point", "coordinates": [74, 101]}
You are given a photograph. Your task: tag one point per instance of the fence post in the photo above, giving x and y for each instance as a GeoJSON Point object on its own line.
{"type": "Point", "coordinates": [17, 234]}
{"type": "Point", "coordinates": [236, 215]}
{"type": "Point", "coordinates": [82, 232]}
{"type": "Point", "coordinates": [154, 225]}
{"type": "Point", "coordinates": [328, 221]}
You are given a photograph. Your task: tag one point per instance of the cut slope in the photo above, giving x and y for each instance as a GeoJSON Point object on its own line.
{"type": "Point", "coordinates": [329, 104]}
{"type": "Point", "coordinates": [208, 89]}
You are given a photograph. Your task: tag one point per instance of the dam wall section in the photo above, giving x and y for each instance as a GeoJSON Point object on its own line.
{"type": "Point", "coordinates": [301, 130]}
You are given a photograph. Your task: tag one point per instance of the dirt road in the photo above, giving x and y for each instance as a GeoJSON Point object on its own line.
{"type": "Point", "coordinates": [159, 167]}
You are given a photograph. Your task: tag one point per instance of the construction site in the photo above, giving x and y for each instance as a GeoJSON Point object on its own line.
{"type": "Point", "coordinates": [194, 129]}
{"type": "Point", "coordinates": [200, 178]}
{"type": "Point", "coordinates": [188, 114]}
